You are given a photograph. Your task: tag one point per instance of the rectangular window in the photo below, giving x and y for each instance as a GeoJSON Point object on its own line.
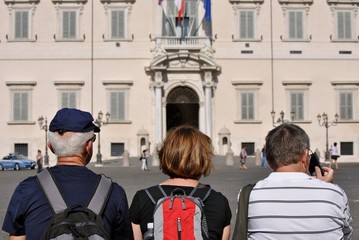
{"type": "Point", "coordinates": [246, 24]}
{"type": "Point", "coordinates": [117, 149]}
{"type": "Point", "coordinates": [344, 25]}
{"type": "Point", "coordinates": [20, 106]}
{"type": "Point", "coordinates": [69, 24]}
{"type": "Point", "coordinates": [21, 148]}
{"type": "Point", "coordinates": [346, 105]}
{"type": "Point", "coordinates": [21, 25]}
{"type": "Point", "coordinates": [297, 105]}
{"type": "Point", "coordinates": [117, 105]}
{"type": "Point", "coordinates": [117, 24]}
{"type": "Point", "coordinates": [249, 148]}
{"type": "Point", "coordinates": [295, 24]}
{"type": "Point", "coordinates": [346, 148]}
{"type": "Point", "coordinates": [68, 99]}
{"type": "Point", "coordinates": [247, 106]}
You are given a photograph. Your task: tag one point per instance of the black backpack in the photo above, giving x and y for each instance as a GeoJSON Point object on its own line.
{"type": "Point", "coordinates": [75, 222]}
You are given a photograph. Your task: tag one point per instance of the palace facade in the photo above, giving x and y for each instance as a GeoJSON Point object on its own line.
{"type": "Point", "coordinates": [230, 68]}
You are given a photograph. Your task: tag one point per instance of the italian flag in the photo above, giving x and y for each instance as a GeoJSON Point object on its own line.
{"type": "Point", "coordinates": [180, 7]}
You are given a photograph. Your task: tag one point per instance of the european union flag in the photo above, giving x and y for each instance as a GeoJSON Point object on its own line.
{"type": "Point", "coordinates": [207, 7]}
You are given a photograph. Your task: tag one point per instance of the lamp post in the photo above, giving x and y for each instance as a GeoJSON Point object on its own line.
{"type": "Point", "coordinates": [43, 126]}
{"type": "Point", "coordinates": [281, 119]}
{"type": "Point", "coordinates": [323, 121]}
{"type": "Point", "coordinates": [99, 122]}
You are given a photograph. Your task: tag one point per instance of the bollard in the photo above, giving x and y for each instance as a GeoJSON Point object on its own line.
{"type": "Point", "coordinates": [258, 157]}
{"type": "Point", "coordinates": [126, 158]}
{"type": "Point", "coordinates": [229, 157]}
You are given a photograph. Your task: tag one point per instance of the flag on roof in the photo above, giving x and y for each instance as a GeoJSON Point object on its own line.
{"type": "Point", "coordinates": [207, 7]}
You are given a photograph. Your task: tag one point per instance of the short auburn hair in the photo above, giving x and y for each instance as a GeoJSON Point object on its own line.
{"type": "Point", "coordinates": [186, 153]}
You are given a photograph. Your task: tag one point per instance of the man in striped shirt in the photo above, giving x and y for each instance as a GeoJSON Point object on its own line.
{"type": "Point", "coordinates": [291, 204]}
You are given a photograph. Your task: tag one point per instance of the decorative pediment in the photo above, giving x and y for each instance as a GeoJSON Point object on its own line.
{"type": "Point", "coordinates": [21, 1]}
{"type": "Point", "coordinates": [296, 1]}
{"type": "Point", "coordinates": [343, 1]}
{"type": "Point", "coordinates": [70, 1]}
{"type": "Point", "coordinates": [246, 1]}
{"type": "Point", "coordinates": [118, 1]}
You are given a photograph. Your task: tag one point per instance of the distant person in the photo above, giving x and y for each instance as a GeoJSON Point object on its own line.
{"type": "Point", "coordinates": [39, 160]}
{"type": "Point", "coordinates": [264, 157]}
{"type": "Point", "coordinates": [144, 156]}
{"type": "Point", "coordinates": [334, 155]}
{"type": "Point", "coordinates": [185, 156]}
{"type": "Point", "coordinates": [243, 157]}
{"type": "Point", "coordinates": [291, 204]}
{"type": "Point", "coordinates": [71, 137]}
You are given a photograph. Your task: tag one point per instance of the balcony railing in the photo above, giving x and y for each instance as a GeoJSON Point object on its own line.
{"type": "Point", "coordinates": [187, 43]}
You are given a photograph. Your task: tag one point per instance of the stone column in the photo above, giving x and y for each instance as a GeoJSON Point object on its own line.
{"type": "Point", "coordinates": [208, 84]}
{"type": "Point", "coordinates": [158, 112]}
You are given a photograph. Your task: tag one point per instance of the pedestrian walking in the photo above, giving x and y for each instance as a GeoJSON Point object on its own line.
{"type": "Point", "coordinates": [243, 157]}
{"type": "Point", "coordinates": [334, 155]}
{"type": "Point", "coordinates": [144, 157]}
{"type": "Point", "coordinates": [39, 160]}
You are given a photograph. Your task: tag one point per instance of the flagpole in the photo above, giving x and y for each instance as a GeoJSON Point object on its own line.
{"type": "Point", "coordinates": [169, 20]}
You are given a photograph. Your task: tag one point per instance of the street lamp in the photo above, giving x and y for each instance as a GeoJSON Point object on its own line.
{"type": "Point", "coordinates": [281, 119]}
{"type": "Point", "coordinates": [325, 123]}
{"type": "Point", "coordinates": [99, 122]}
{"type": "Point", "coordinates": [43, 126]}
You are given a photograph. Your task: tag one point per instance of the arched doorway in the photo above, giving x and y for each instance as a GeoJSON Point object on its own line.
{"type": "Point", "coordinates": [182, 107]}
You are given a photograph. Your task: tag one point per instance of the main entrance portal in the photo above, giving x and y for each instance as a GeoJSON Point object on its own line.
{"type": "Point", "coordinates": [182, 107]}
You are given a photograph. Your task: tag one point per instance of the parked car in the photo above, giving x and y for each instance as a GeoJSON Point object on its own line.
{"type": "Point", "coordinates": [16, 162]}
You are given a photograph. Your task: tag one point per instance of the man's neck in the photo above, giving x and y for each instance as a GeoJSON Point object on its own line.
{"type": "Point", "coordinates": [75, 161]}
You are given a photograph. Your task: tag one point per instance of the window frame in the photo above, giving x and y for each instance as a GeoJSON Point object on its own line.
{"type": "Point", "coordinates": [287, 24]}
{"type": "Point", "coordinates": [13, 10]}
{"type": "Point", "coordinates": [347, 105]}
{"type": "Point", "coordinates": [255, 9]}
{"type": "Point", "coordinates": [69, 91]}
{"type": "Point", "coordinates": [127, 9]}
{"type": "Point", "coordinates": [245, 109]}
{"type": "Point", "coordinates": [353, 18]}
{"type": "Point", "coordinates": [60, 10]}
{"type": "Point", "coordinates": [21, 119]}
{"type": "Point", "coordinates": [297, 106]}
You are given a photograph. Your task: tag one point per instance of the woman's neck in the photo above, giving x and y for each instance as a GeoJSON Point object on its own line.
{"type": "Point", "coordinates": [186, 182]}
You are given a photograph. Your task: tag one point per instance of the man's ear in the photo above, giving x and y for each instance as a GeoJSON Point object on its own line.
{"type": "Point", "coordinates": [305, 159]}
{"type": "Point", "coordinates": [50, 147]}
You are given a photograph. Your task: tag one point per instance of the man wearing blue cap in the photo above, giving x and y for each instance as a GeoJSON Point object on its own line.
{"type": "Point", "coordinates": [71, 137]}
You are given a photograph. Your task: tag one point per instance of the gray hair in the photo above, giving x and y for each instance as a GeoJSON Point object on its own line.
{"type": "Point", "coordinates": [70, 143]}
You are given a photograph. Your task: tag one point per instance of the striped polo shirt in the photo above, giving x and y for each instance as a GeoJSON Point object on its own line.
{"type": "Point", "coordinates": [293, 205]}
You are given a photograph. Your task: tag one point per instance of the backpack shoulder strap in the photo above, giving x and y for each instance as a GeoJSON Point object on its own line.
{"type": "Point", "coordinates": [51, 191]}
{"type": "Point", "coordinates": [241, 227]}
{"type": "Point", "coordinates": [206, 195]}
{"type": "Point", "coordinates": [150, 195]}
{"type": "Point", "coordinates": [101, 195]}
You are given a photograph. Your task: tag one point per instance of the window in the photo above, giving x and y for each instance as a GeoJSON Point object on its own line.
{"type": "Point", "coordinates": [247, 106]}
{"type": "Point", "coordinates": [246, 24]}
{"type": "Point", "coordinates": [117, 105]}
{"type": "Point", "coordinates": [118, 22]}
{"type": "Point", "coordinates": [344, 24]}
{"type": "Point", "coordinates": [346, 106]}
{"type": "Point", "coordinates": [344, 29]}
{"type": "Point", "coordinates": [296, 24]}
{"type": "Point", "coordinates": [346, 148]}
{"type": "Point", "coordinates": [21, 23]}
{"type": "Point", "coordinates": [21, 148]}
{"type": "Point", "coordinates": [69, 23]}
{"type": "Point", "coordinates": [171, 26]}
{"type": "Point", "coordinates": [297, 105]}
{"type": "Point", "coordinates": [249, 148]}
{"type": "Point", "coordinates": [68, 99]}
{"type": "Point", "coordinates": [117, 149]}
{"type": "Point", "coordinates": [20, 106]}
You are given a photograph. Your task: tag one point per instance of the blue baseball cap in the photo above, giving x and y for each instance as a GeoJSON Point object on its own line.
{"type": "Point", "coordinates": [73, 120]}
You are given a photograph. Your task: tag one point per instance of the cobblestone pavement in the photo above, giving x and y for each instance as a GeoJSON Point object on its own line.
{"type": "Point", "coordinates": [226, 179]}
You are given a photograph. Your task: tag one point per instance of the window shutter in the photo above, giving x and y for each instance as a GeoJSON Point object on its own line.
{"type": "Point", "coordinates": [21, 24]}
{"type": "Point", "coordinates": [341, 27]}
{"type": "Point", "coordinates": [20, 106]}
{"type": "Point", "coordinates": [346, 106]}
{"type": "Point", "coordinates": [117, 102]}
{"type": "Point", "coordinates": [69, 24]}
{"type": "Point", "coordinates": [347, 24]}
{"type": "Point", "coordinates": [243, 24]}
{"type": "Point", "coordinates": [247, 108]}
{"type": "Point", "coordinates": [72, 100]}
{"type": "Point", "coordinates": [250, 24]}
{"type": "Point", "coordinates": [299, 25]}
{"type": "Point", "coordinates": [250, 106]}
{"type": "Point", "coordinates": [292, 22]}
{"type": "Point", "coordinates": [118, 24]}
